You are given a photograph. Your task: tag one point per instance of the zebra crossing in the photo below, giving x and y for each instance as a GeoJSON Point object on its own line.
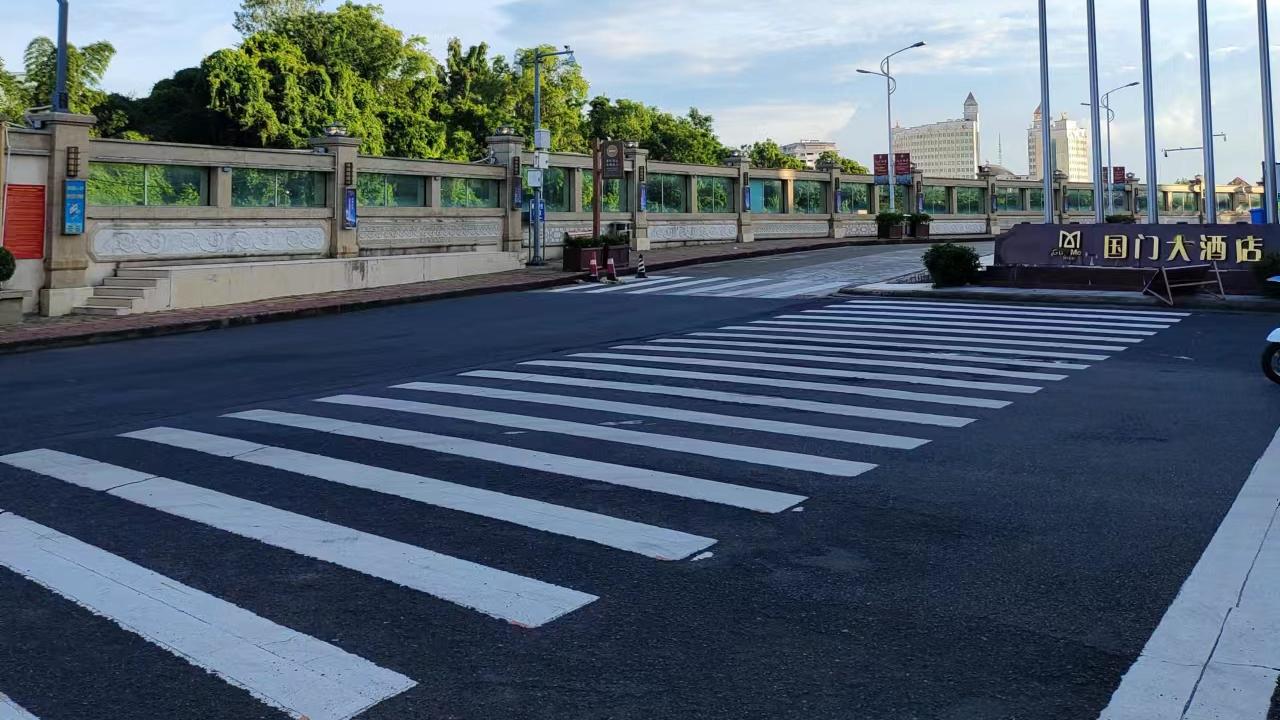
{"type": "Point", "coordinates": [751, 419]}
{"type": "Point", "coordinates": [773, 288]}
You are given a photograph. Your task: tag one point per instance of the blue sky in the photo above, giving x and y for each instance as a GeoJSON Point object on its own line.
{"type": "Point", "coordinates": [785, 68]}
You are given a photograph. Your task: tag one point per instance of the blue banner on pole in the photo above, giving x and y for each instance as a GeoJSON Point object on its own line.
{"type": "Point", "coordinates": [73, 207]}
{"type": "Point", "coordinates": [350, 215]}
{"type": "Point", "coordinates": [644, 199]}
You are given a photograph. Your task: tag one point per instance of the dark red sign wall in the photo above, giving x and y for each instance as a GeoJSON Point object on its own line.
{"type": "Point", "coordinates": [24, 221]}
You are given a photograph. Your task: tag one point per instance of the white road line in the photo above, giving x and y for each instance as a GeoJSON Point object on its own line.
{"type": "Point", "coordinates": [986, 324]}
{"type": "Point", "coordinates": [722, 287]}
{"type": "Point", "coordinates": [594, 286]}
{"type": "Point", "coordinates": [833, 329]}
{"type": "Point", "coordinates": [647, 540]}
{"type": "Point", "coordinates": [639, 478]}
{"type": "Point", "coordinates": [1040, 308]}
{"type": "Point", "coordinates": [821, 336]}
{"type": "Point", "coordinates": [728, 397]}
{"type": "Point", "coordinates": [1215, 653]}
{"type": "Point", "coordinates": [810, 290]}
{"type": "Point", "coordinates": [632, 285]}
{"type": "Point", "coordinates": [1008, 313]}
{"type": "Point", "coordinates": [687, 284]}
{"type": "Point", "coordinates": [860, 362]}
{"type": "Point", "coordinates": [10, 710]}
{"type": "Point", "coordinates": [283, 668]}
{"type": "Point", "coordinates": [873, 325]}
{"type": "Point", "coordinates": [519, 600]}
{"type": "Point", "coordinates": [759, 291]}
{"type": "Point", "coordinates": [771, 382]}
{"type": "Point", "coordinates": [674, 443]}
{"type": "Point", "coordinates": [856, 437]}
{"type": "Point", "coordinates": [1019, 321]}
{"type": "Point", "coordinates": [824, 372]}
{"type": "Point", "coordinates": [756, 343]}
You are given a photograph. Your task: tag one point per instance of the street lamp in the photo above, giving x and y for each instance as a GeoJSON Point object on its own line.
{"type": "Point", "coordinates": [61, 101]}
{"type": "Point", "coordinates": [891, 86]}
{"type": "Point", "coordinates": [1111, 115]}
{"type": "Point", "coordinates": [541, 145]}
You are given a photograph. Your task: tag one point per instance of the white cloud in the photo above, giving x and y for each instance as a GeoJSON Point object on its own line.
{"type": "Point", "coordinates": [741, 124]}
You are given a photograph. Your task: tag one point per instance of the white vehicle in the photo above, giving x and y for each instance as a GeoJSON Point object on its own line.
{"type": "Point", "coordinates": [1271, 356]}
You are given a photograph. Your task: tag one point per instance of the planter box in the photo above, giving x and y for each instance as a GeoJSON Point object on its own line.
{"type": "Point", "coordinates": [920, 230]}
{"type": "Point", "coordinates": [889, 232]}
{"type": "Point", "coordinates": [620, 254]}
{"type": "Point", "coordinates": [579, 259]}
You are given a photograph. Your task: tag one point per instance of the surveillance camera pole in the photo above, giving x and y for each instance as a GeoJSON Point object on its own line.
{"type": "Point", "coordinates": [541, 144]}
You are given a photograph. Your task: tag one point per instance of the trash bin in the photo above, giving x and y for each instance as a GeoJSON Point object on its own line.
{"type": "Point", "coordinates": [1258, 216]}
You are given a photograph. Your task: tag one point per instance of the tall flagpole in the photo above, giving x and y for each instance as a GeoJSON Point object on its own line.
{"type": "Point", "coordinates": [1149, 109]}
{"type": "Point", "coordinates": [1095, 120]}
{"type": "Point", "coordinates": [1046, 150]}
{"type": "Point", "coordinates": [1268, 116]}
{"type": "Point", "coordinates": [1210, 191]}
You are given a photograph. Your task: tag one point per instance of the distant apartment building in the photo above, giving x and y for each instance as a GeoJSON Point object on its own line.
{"type": "Point", "coordinates": [1070, 148]}
{"type": "Point", "coordinates": [948, 149]}
{"type": "Point", "coordinates": [808, 150]}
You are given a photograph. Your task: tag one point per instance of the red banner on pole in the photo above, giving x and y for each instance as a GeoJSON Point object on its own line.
{"type": "Point", "coordinates": [902, 163]}
{"type": "Point", "coordinates": [1118, 175]}
{"type": "Point", "coordinates": [881, 162]}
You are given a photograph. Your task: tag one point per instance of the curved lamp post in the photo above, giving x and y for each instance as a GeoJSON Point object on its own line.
{"type": "Point", "coordinates": [891, 86]}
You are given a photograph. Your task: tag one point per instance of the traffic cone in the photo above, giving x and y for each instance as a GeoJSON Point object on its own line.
{"type": "Point", "coordinates": [640, 273]}
{"type": "Point", "coordinates": [595, 271]}
{"type": "Point", "coordinates": [613, 271]}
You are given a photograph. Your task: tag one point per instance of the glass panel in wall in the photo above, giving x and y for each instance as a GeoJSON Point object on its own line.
{"type": "Point", "coordinates": [1079, 199]}
{"type": "Point", "coordinates": [971, 201]}
{"type": "Point", "coordinates": [1183, 202]}
{"type": "Point", "coordinates": [1255, 201]}
{"type": "Point", "coordinates": [371, 190]}
{"type": "Point", "coordinates": [810, 197]}
{"type": "Point", "coordinates": [715, 195]}
{"type": "Point", "coordinates": [180, 185]}
{"type": "Point", "coordinates": [1140, 200]}
{"type": "Point", "coordinates": [300, 188]}
{"type": "Point", "coordinates": [117, 184]}
{"type": "Point", "coordinates": [664, 193]}
{"type": "Point", "coordinates": [468, 192]}
{"type": "Point", "coordinates": [766, 196]}
{"type": "Point", "coordinates": [555, 188]}
{"type": "Point", "coordinates": [1119, 204]}
{"type": "Point", "coordinates": [253, 187]}
{"type": "Point", "coordinates": [613, 199]}
{"type": "Point", "coordinates": [1035, 199]}
{"type": "Point", "coordinates": [1008, 199]}
{"type": "Point", "coordinates": [406, 191]}
{"type": "Point", "coordinates": [1226, 202]}
{"type": "Point", "coordinates": [855, 198]}
{"type": "Point", "coordinates": [935, 200]}
{"type": "Point", "coordinates": [899, 198]}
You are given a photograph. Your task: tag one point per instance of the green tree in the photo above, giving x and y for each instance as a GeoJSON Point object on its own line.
{"type": "Point", "coordinates": [258, 15]}
{"type": "Point", "coordinates": [689, 139]}
{"type": "Point", "coordinates": [564, 95]}
{"type": "Point", "coordinates": [477, 95]}
{"type": "Point", "coordinates": [13, 96]}
{"type": "Point", "coordinates": [767, 154]}
{"type": "Point", "coordinates": [847, 166]}
{"type": "Point", "coordinates": [85, 68]}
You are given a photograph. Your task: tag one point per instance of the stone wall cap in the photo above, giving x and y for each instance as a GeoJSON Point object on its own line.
{"type": "Point", "coordinates": [337, 140]}
{"type": "Point", "coordinates": [14, 294]}
{"type": "Point", "coordinates": [57, 118]}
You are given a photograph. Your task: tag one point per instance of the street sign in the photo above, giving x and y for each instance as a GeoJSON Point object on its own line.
{"type": "Point", "coordinates": [613, 160]}
{"type": "Point", "coordinates": [1118, 175]}
{"type": "Point", "coordinates": [73, 207]}
{"type": "Point", "coordinates": [902, 163]}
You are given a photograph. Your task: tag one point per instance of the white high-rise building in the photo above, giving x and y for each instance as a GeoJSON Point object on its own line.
{"type": "Point", "coordinates": [809, 150]}
{"type": "Point", "coordinates": [1070, 147]}
{"type": "Point", "coordinates": [948, 149]}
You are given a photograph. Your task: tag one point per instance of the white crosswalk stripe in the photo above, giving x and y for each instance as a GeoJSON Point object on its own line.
{"type": "Point", "coordinates": [280, 667]}
{"type": "Point", "coordinates": [845, 330]}
{"type": "Point", "coordinates": [674, 286]}
{"type": "Point", "coordinates": [721, 287]}
{"type": "Point", "coordinates": [1127, 326]}
{"type": "Point", "coordinates": [503, 595]}
{"type": "Point", "coordinates": [625, 286]}
{"type": "Point", "coordinates": [856, 437]}
{"type": "Point", "coordinates": [825, 288]}
{"type": "Point", "coordinates": [710, 448]}
{"type": "Point", "coordinates": [583, 287]}
{"type": "Point", "coordinates": [10, 710]}
{"type": "Point", "coordinates": [758, 342]}
{"type": "Point", "coordinates": [1004, 324]}
{"type": "Point", "coordinates": [648, 540]}
{"type": "Point", "coordinates": [1077, 309]}
{"type": "Point", "coordinates": [639, 478]}
{"type": "Point", "coordinates": [825, 372]}
{"type": "Point", "coordinates": [773, 382]}
{"type": "Point", "coordinates": [964, 369]}
{"type": "Point", "coordinates": [875, 324]}
{"type": "Point", "coordinates": [728, 397]}
{"type": "Point", "coordinates": [968, 309]}
{"type": "Point", "coordinates": [756, 287]}
{"type": "Point", "coordinates": [826, 336]}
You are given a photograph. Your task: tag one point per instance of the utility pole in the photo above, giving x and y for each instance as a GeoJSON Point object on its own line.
{"type": "Point", "coordinates": [1095, 119]}
{"type": "Point", "coordinates": [1268, 116]}
{"type": "Point", "coordinates": [891, 86]}
{"type": "Point", "coordinates": [61, 101]}
{"type": "Point", "coordinates": [1149, 110]}
{"type": "Point", "coordinates": [1046, 143]}
{"type": "Point", "coordinates": [541, 146]}
{"type": "Point", "coordinates": [1206, 113]}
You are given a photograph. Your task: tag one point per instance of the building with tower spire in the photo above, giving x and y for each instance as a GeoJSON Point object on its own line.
{"type": "Point", "coordinates": [950, 148]}
{"type": "Point", "coordinates": [1069, 148]}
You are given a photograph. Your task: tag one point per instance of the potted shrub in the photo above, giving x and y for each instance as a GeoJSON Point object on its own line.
{"type": "Point", "coordinates": [8, 266]}
{"type": "Point", "coordinates": [617, 248]}
{"type": "Point", "coordinates": [920, 224]}
{"type": "Point", "coordinates": [889, 225]}
{"type": "Point", "coordinates": [952, 265]}
{"type": "Point", "coordinates": [579, 250]}
{"type": "Point", "coordinates": [1121, 219]}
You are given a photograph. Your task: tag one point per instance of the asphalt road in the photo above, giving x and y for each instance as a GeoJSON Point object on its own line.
{"type": "Point", "coordinates": [1013, 567]}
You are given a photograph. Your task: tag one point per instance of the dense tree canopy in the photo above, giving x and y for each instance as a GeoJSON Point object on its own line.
{"type": "Point", "coordinates": [847, 166]}
{"type": "Point", "coordinates": [767, 154]}
{"type": "Point", "coordinates": [300, 68]}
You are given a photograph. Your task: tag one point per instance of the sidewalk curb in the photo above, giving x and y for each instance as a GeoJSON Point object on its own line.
{"type": "Point", "coordinates": [180, 326]}
{"type": "Point", "coordinates": [1077, 297]}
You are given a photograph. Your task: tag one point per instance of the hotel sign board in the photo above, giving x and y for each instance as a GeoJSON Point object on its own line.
{"type": "Point", "coordinates": [1232, 247]}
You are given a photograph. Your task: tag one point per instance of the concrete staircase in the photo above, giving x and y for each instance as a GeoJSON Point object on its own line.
{"type": "Point", "coordinates": [128, 291]}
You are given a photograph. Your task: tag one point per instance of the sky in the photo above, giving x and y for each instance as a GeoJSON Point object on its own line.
{"type": "Point", "coordinates": [786, 69]}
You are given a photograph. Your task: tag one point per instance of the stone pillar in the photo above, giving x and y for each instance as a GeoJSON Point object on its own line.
{"type": "Point", "coordinates": [953, 203]}
{"type": "Point", "coordinates": [834, 228]}
{"type": "Point", "coordinates": [576, 181]}
{"type": "Point", "coordinates": [691, 192]}
{"type": "Point", "coordinates": [742, 164]}
{"type": "Point", "coordinates": [639, 220]}
{"type": "Point", "coordinates": [67, 280]}
{"type": "Point", "coordinates": [788, 196]}
{"type": "Point", "coordinates": [915, 189]}
{"type": "Point", "coordinates": [989, 197]}
{"type": "Point", "coordinates": [1060, 197]}
{"type": "Point", "coordinates": [345, 151]}
{"type": "Point", "coordinates": [506, 147]}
